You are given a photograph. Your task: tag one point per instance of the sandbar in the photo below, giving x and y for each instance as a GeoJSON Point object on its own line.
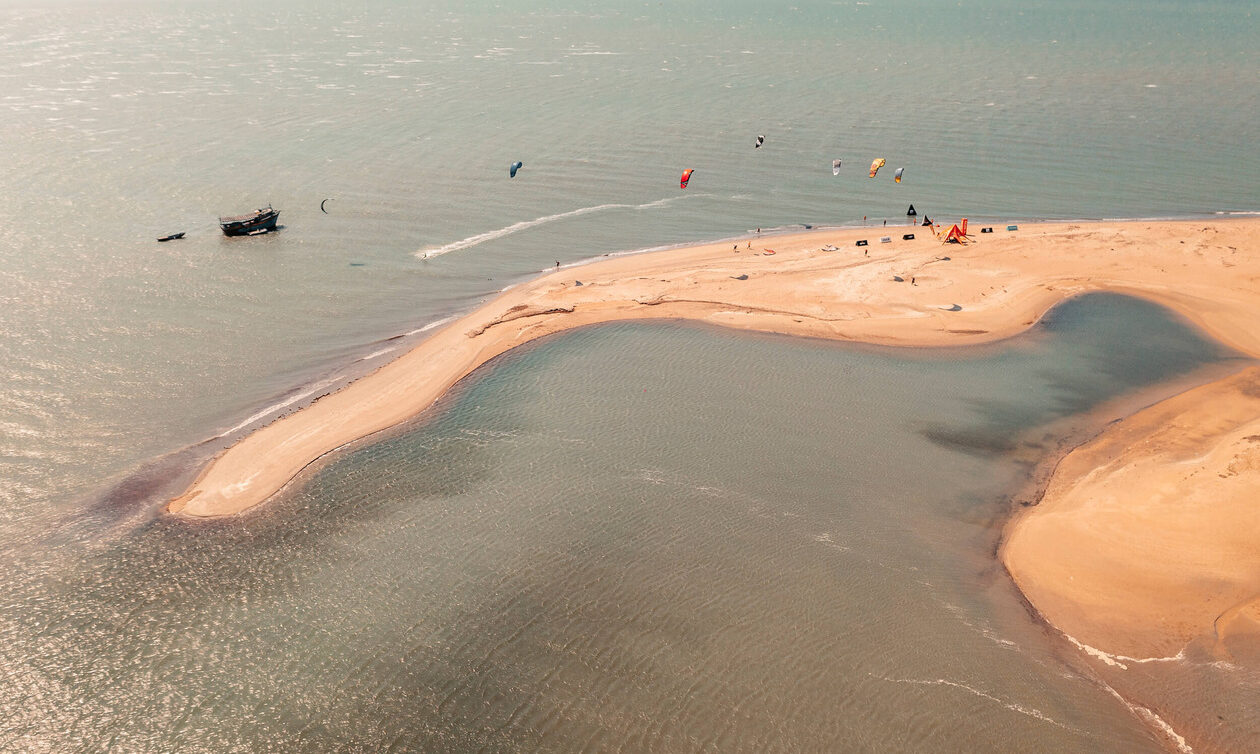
{"type": "Point", "coordinates": [1144, 538]}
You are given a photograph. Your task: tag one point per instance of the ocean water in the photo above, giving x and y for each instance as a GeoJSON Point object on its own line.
{"type": "Point", "coordinates": [125, 121]}
{"type": "Point", "coordinates": [641, 537]}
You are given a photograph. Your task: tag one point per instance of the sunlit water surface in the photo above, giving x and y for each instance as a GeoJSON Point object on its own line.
{"type": "Point", "coordinates": [640, 537]}
{"type": "Point", "coordinates": [653, 537]}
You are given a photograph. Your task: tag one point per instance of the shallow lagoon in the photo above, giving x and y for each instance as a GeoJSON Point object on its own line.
{"type": "Point", "coordinates": [648, 536]}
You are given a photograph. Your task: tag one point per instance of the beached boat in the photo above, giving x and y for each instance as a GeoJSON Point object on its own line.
{"type": "Point", "coordinates": [260, 221]}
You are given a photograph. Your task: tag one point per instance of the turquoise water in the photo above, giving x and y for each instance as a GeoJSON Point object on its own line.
{"type": "Point", "coordinates": [124, 121]}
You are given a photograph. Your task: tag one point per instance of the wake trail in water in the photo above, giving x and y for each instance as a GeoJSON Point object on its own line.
{"type": "Point", "coordinates": [491, 235]}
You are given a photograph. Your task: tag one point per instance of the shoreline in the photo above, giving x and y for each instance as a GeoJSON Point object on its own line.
{"type": "Point", "coordinates": [948, 295]}
{"type": "Point", "coordinates": [769, 301]}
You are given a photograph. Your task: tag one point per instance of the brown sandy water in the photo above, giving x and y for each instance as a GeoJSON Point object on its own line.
{"type": "Point", "coordinates": [630, 537]}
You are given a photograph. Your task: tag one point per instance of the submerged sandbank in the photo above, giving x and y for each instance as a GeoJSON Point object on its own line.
{"type": "Point", "coordinates": [916, 293]}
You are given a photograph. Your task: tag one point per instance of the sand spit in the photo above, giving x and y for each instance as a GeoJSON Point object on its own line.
{"type": "Point", "coordinates": [1140, 544]}
{"type": "Point", "coordinates": [1146, 538]}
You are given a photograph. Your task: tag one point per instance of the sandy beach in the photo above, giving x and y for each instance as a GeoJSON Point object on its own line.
{"type": "Point", "coordinates": [1141, 542]}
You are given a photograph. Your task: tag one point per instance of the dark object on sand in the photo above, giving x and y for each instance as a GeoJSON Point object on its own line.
{"type": "Point", "coordinates": [986, 230]}
{"type": "Point", "coordinates": [899, 278]}
{"type": "Point", "coordinates": [907, 237]}
{"type": "Point", "coordinates": [952, 308]}
{"type": "Point", "coordinates": [1012, 227]}
{"type": "Point", "coordinates": [862, 242]}
{"type": "Point", "coordinates": [261, 221]}
{"type": "Point", "coordinates": [739, 277]}
{"type": "Point", "coordinates": [172, 237]}
{"type": "Point", "coordinates": [577, 282]}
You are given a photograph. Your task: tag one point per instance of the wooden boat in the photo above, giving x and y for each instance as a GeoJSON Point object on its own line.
{"type": "Point", "coordinates": [172, 236]}
{"type": "Point", "coordinates": [260, 221]}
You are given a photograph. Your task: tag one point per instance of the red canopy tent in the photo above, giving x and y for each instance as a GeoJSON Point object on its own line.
{"type": "Point", "coordinates": [957, 234]}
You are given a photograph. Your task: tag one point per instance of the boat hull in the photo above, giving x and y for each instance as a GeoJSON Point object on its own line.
{"type": "Point", "coordinates": [262, 221]}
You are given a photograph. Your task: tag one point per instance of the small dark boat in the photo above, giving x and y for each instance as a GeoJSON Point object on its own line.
{"type": "Point", "coordinates": [171, 237]}
{"type": "Point", "coordinates": [260, 221]}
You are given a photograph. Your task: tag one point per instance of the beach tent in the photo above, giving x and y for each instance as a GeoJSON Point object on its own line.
{"type": "Point", "coordinates": [957, 234]}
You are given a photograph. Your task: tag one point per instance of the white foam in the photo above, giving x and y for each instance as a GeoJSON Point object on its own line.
{"type": "Point", "coordinates": [277, 406]}
{"type": "Point", "coordinates": [431, 325]}
{"type": "Point", "coordinates": [374, 354]}
{"type": "Point", "coordinates": [325, 383]}
{"type": "Point", "coordinates": [1119, 661]}
{"type": "Point", "coordinates": [492, 235]}
{"type": "Point", "coordinates": [1012, 706]}
{"type": "Point", "coordinates": [1149, 716]}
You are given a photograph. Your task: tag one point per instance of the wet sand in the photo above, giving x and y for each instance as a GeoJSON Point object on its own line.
{"type": "Point", "coordinates": [1140, 543]}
